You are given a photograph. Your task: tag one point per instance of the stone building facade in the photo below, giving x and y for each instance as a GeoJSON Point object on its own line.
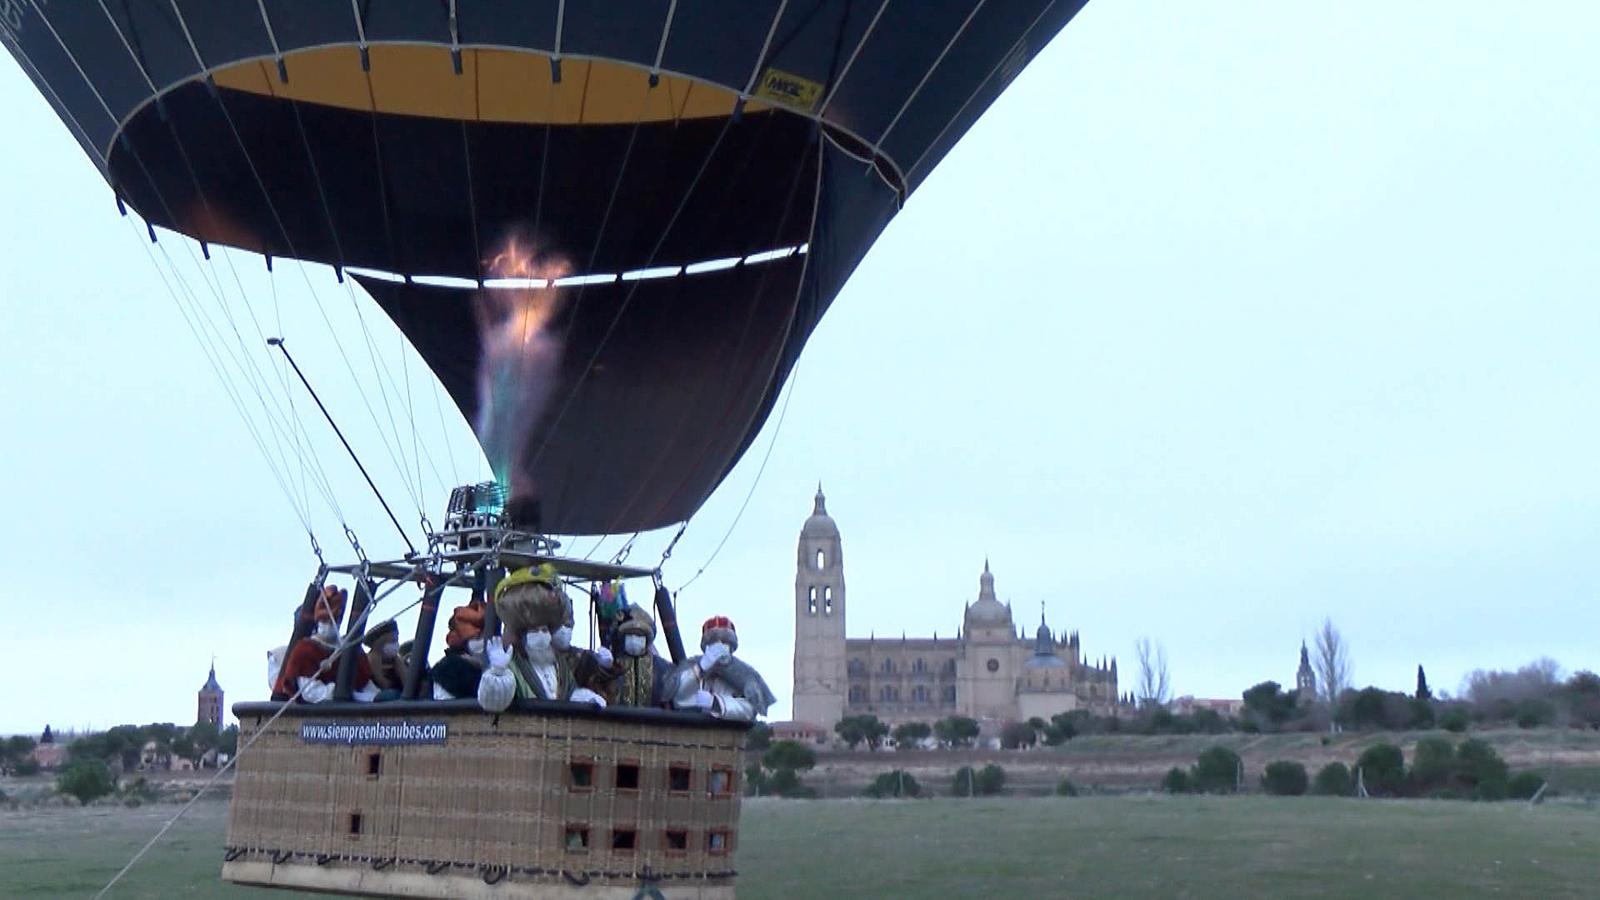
{"type": "Point", "coordinates": [209, 700]}
{"type": "Point", "coordinates": [989, 671]}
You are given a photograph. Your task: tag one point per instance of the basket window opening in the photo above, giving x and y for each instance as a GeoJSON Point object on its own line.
{"type": "Point", "coordinates": [581, 775]}
{"type": "Point", "coordinates": [627, 776]}
{"type": "Point", "coordinates": [355, 823]}
{"type": "Point", "coordinates": [720, 782]}
{"type": "Point", "coordinates": [717, 842]}
{"type": "Point", "coordinates": [623, 838]}
{"type": "Point", "coordinates": [577, 840]}
{"type": "Point", "coordinates": [374, 764]}
{"type": "Point", "coordinates": [678, 778]}
{"type": "Point", "coordinates": [677, 841]}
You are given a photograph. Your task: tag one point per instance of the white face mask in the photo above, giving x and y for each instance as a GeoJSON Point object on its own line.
{"type": "Point", "coordinates": [537, 646]}
{"type": "Point", "coordinates": [720, 644]}
{"type": "Point", "coordinates": [633, 644]}
{"type": "Point", "coordinates": [391, 651]}
{"type": "Point", "coordinates": [562, 639]}
{"type": "Point", "coordinates": [328, 632]}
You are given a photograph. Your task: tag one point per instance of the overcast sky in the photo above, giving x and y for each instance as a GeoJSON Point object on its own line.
{"type": "Point", "coordinates": [1225, 317]}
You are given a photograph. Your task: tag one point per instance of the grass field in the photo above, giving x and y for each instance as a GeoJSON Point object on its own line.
{"type": "Point", "coordinates": [1045, 847]}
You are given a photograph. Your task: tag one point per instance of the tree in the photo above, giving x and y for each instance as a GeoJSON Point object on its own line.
{"type": "Point", "coordinates": [1333, 781]}
{"type": "Point", "coordinates": [1383, 770]}
{"type": "Point", "coordinates": [86, 779]}
{"type": "Point", "coordinates": [1284, 778]}
{"type": "Point", "coordinates": [205, 738]}
{"type": "Point", "coordinates": [183, 747]}
{"type": "Point", "coordinates": [1332, 663]}
{"type": "Point", "coordinates": [1016, 735]}
{"type": "Point", "coordinates": [1155, 683]}
{"type": "Point", "coordinates": [1270, 703]}
{"type": "Point", "coordinates": [911, 734]}
{"type": "Point", "coordinates": [787, 759]}
{"type": "Point", "coordinates": [866, 729]}
{"type": "Point", "coordinates": [791, 755]}
{"type": "Point", "coordinates": [1216, 771]}
{"type": "Point", "coordinates": [757, 739]}
{"type": "Point", "coordinates": [48, 737]}
{"type": "Point", "coordinates": [228, 741]}
{"type": "Point", "coordinates": [1422, 686]}
{"type": "Point", "coordinates": [956, 731]}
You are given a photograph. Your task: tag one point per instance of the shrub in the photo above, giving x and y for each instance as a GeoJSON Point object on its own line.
{"type": "Point", "coordinates": [1284, 778]}
{"type": "Point", "coordinates": [1535, 712]}
{"type": "Point", "coordinates": [1455, 720]}
{"type": "Point", "coordinates": [87, 779]}
{"type": "Point", "coordinates": [1176, 781]}
{"type": "Point", "coordinates": [898, 783]}
{"type": "Point", "coordinates": [1383, 770]}
{"type": "Point", "coordinates": [1217, 771]}
{"type": "Point", "coordinates": [1333, 781]}
{"type": "Point", "coordinates": [1480, 771]}
{"type": "Point", "coordinates": [1065, 788]}
{"type": "Point", "coordinates": [26, 766]}
{"type": "Point", "coordinates": [1524, 785]}
{"type": "Point", "coordinates": [991, 779]}
{"type": "Point", "coordinates": [1432, 764]}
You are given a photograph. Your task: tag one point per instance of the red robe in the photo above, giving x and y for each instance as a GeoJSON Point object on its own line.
{"type": "Point", "coordinates": [307, 655]}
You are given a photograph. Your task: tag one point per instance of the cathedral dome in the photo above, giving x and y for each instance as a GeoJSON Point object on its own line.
{"type": "Point", "coordinates": [820, 524]}
{"type": "Point", "coordinates": [988, 612]}
{"type": "Point", "coordinates": [1044, 653]}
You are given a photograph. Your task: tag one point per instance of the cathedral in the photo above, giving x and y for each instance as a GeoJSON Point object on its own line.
{"type": "Point", "coordinates": [990, 671]}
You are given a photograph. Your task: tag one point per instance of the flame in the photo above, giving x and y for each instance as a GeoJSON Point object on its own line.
{"type": "Point", "coordinates": [517, 368]}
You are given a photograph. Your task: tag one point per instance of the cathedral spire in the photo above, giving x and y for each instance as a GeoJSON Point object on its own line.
{"type": "Point", "coordinates": [821, 507]}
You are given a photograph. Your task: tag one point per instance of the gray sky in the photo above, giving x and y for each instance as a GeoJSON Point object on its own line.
{"type": "Point", "coordinates": [1224, 318]}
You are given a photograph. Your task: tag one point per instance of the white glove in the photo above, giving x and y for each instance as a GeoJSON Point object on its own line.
{"type": "Point", "coordinates": [584, 695]}
{"type": "Point", "coordinates": [499, 655]}
{"type": "Point", "coordinates": [702, 700]}
{"type": "Point", "coordinates": [605, 658]}
{"type": "Point", "coordinates": [366, 694]}
{"type": "Point", "coordinates": [314, 691]}
{"type": "Point", "coordinates": [714, 655]}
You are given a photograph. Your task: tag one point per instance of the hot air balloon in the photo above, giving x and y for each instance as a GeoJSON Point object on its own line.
{"type": "Point", "coordinates": [609, 229]}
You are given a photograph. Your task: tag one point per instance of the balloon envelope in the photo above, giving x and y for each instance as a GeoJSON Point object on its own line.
{"type": "Point", "coordinates": [548, 139]}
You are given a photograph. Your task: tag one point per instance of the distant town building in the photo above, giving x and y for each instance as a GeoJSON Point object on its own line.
{"type": "Point", "coordinates": [988, 671]}
{"type": "Point", "coordinates": [210, 700]}
{"type": "Point", "coordinates": [1305, 680]}
{"type": "Point", "coordinates": [48, 753]}
{"type": "Point", "coordinates": [1222, 706]}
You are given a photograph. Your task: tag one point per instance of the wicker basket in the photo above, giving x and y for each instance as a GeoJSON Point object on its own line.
{"type": "Point", "coordinates": [445, 800]}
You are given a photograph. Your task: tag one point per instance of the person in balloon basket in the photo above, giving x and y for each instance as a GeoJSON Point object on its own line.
{"type": "Point", "coordinates": [715, 682]}
{"type": "Point", "coordinates": [641, 678]}
{"type": "Point", "coordinates": [310, 667]}
{"type": "Point", "coordinates": [525, 662]}
{"type": "Point", "coordinates": [457, 673]}
{"type": "Point", "coordinates": [386, 660]}
{"type": "Point", "coordinates": [594, 670]}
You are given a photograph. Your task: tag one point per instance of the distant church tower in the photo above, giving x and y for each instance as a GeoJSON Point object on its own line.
{"type": "Point", "coordinates": [1305, 681]}
{"type": "Point", "coordinates": [210, 699]}
{"type": "Point", "coordinates": [819, 648]}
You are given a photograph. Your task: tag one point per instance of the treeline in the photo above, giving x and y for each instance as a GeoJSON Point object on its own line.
{"type": "Point", "coordinates": [1439, 769]}
{"type": "Point", "coordinates": [1534, 696]}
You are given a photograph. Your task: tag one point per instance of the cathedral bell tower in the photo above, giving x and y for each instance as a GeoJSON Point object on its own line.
{"type": "Point", "coordinates": [819, 656]}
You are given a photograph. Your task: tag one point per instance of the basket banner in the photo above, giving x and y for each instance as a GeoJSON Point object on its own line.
{"type": "Point", "coordinates": [384, 733]}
